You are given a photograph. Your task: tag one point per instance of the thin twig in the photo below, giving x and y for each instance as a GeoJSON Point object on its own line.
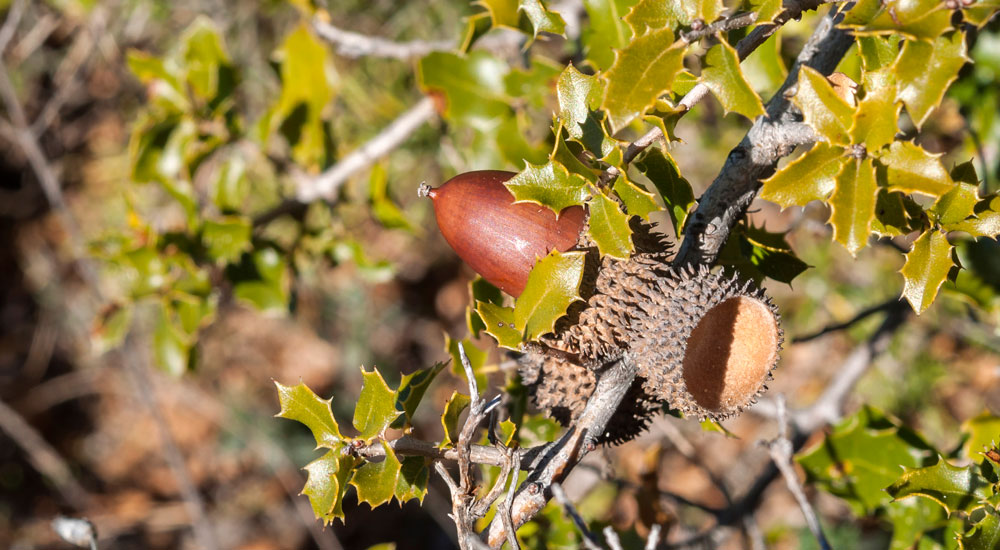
{"type": "Point", "coordinates": [589, 539]}
{"type": "Point", "coordinates": [858, 317]}
{"type": "Point", "coordinates": [354, 45]}
{"type": "Point", "coordinates": [780, 449]}
{"type": "Point", "coordinates": [43, 457]}
{"type": "Point", "coordinates": [14, 15]}
{"type": "Point", "coordinates": [508, 502]}
{"type": "Point", "coordinates": [654, 537]}
{"type": "Point", "coordinates": [612, 538]}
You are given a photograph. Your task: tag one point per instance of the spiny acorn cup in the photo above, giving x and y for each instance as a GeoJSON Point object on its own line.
{"type": "Point", "coordinates": [499, 239]}
{"type": "Point", "coordinates": [704, 343]}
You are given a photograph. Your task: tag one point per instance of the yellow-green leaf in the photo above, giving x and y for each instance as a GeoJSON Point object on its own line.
{"type": "Point", "coordinates": [813, 176]}
{"type": "Point", "coordinates": [609, 227]}
{"type": "Point", "coordinates": [638, 201]}
{"type": "Point", "coordinates": [376, 407]}
{"type": "Point", "coordinates": [643, 71]}
{"type": "Point", "coordinates": [896, 214]}
{"type": "Point", "coordinates": [875, 120]}
{"type": "Point", "coordinates": [499, 323]}
{"type": "Point", "coordinates": [852, 204]}
{"type": "Point", "coordinates": [675, 191]}
{"type": "Point", "coordinates": [412, 481]}
{"type": "Point", "coordinates": [723, 76]}
{"type": "Point", "coordinates": [984, 433]}
{"type": "Point", "coordinates": [376, 481]}
{"type": "Point", "coordinates": [607, 30]}
{"type": "Point", "coordinates": [326, 484]}
{"type": "Point", "coordinates": [918, 19]}
{"type": "Point", "coordinates": [953, 487]}
{"type": "Point", "coordinates": [541, 18]}
{"type": "Point", "coordinates": [472, 86]}
{"type": "Point", "coordinates": [927, 265]}
{"type": "Point", "coordinates": [823, 110]}
{"type": "Point", "coordinates": [449, 418]}
{"type": "Point", "coordinates": [984, 534]}
{"type": "Point", "coordinates": [925, 70]}
{"type": "Point", "coordinates": [301, 404]}
{"type": "Point", "coordinates": [957, 204]}
{"type": "Point", "coordinates": [226, 239]}
{"type": "Point", "coordinates": [412, 388]}
{"type": "Point", "coordinates": [549, 185]}
{"type": "Point", "coordinates": [552, 286]}
{"type": "Point", "coordinates": [912, 169]}
{"type": "Point", "coordinates": [653, 14]}
{"type": "Point", "coordinates": [986, 219]}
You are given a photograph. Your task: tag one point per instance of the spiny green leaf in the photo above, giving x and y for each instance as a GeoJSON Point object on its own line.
{"type": "Point", "coordinates": [813, 176]}
{"type": "Point", "coordinates": [412, 482]}
{"type": "Point", "coordinates": [877, 52]}
{"type": "Point", "coordinates": [301, 404]}
{"type": "Point", "coordinates": [499, 322]}
{"type": "Point", "coordinates": [578, 95]}
{"type": "Point", "coordinates": [480, 290]}
{"type": "Point", "coordinates": [705, 10]}
{"type": "Point", "coordinates": [411, 390]}
{"type": "Point", "coordinates": [664, 115]}
{"type": "Point", "coordinates": [952, 487]}
{"type": "Point", "coordinates": [985, 222]}
{"type": "Point", "coordinates": [852, 204]}
{"type": "Point", "coordinates": [675, 191]}
{"type": "Point", "coordinates": [550, 185]}
{"type": "Point", "coordinates": [376, 482]}
{"type": "Point", "coordinates": [723, 76]}
{"type": "Point", "coordinates": [226, 239]}
{"type": "Point", "coordinates": [861, 13]}
{"type": "Point", "coordinates": [984, 535]}
{"type": "Point", "coordinates": [506, 432]}
{"type": "Point", "coordinates": [609, 227]}
{"type": "Point", "coordinates": [607, 30]}
{"type": "Point", "coordinates": [875, 120]}
{"type": "Point", "coordinates": [376, 407]}
{"type": "Point", "coordinates": [927, 265]}
{"type": "Point", "coordinates": [471, 85]}
{"type": "Point", "coordinates": [653, 14]}
{"type": "Point", "coordinates": [542, 20]}
{"type": "Point", "coordinates": [162, 78]}
{"type": "Point", "coordinates": [171, 347]}
{"type": "Point", "coordinates": [643, 70]}
{"type": "Point", "coordinates": [912, 169]}
{"type": "Point", "coordinates": [553, 285]}
{"type": "Point", "coordinates": [957, 204]}
{"type": "Point", "coordinates": [822, 108]}
{"type": "Point", "coordinates": [568, 154]}
{"type": "Point", "coordinates": [766, 10]}
{"type": "Point", "coordinates": [980, 13]}
{"type": "Point", "coordinates": [204, 57]}
{"type": "Point", "coordinates": [925, 70]}
{"type": "Point", "coordinates": [896, 214]}
{"type": "Point", "coordinates": [638, 201]}
{"type": "Point", "coordinates": [771, 254]}
{"type": "Point", "coordinates": [911, 519]}
{"type": "Point", "coordinates": [918, 19]}
{"type": "Point", "coordinates": [110, 328]}
{"type": "Point", "coordinates": [449, 418]}
{"type": "Point", "coordinates": [326, 484]}
{"type": "Point", "coordinates": [983, 431]}
{"type": "Point", "coordinates": [502, 12]}
{"type": "Point", "coordinates": [861, 457]}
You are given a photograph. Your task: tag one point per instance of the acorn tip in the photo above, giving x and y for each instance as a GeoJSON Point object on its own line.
{"type": "Point", "coordinates": [425, 190]}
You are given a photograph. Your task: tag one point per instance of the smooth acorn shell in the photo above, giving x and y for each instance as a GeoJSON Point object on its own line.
{"type": "Point", "coordinates": [500, 240]}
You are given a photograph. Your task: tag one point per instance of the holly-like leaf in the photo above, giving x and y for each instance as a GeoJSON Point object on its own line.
{"type": "Point", "coordinates": [326, 484]}
{"type": "Point", "coordinates": [825, 111]}
{"type": "Point", "coordinates": [638, 201]}
{"type": "Point", "coordinates": [449, 418]}
{"type": "Point", "coordinates": [675, 191]}
{"type": "Point", "coordinates": [896, 214]}
{"type": "Point", "coordinates": [875, 120]}
{"type": "Point", "coordinates": [499, 323]}
{"type": "Point", "coordinates": [766, 10]}
{"type": "Point", "coordinates": [956, 205]}
{"type": "Point", "coordinates": [877, 52]}
{"type": "Point", "coordinates": [412, 481]}
{"type": "Point", "coordinates": [204, 57]}
{"type": "Point", "coordinates": [979, 13]}
{"type": "Point", "coordinates": [480, 290]}
{"type": "Point", "coordinates": [541, 18]}
{"type": "Point", "coordinates": [578, 95]}
{"type": "Point", "coordinates": [642, 72]}
{"type": "Point", "coordinates": [552, 286]}
{"type": "Point", "coordinates": [550, 185]}
{"type": "Point", "coordinates": [984, 534]}
{"type": "Point", "coordinates": [723, 76]}
{"type": "Point", "coordinates": [376, 482]}
{"type": "Point", "coordinates": [301, 404]}
{"type": "Point", "coordinates": [927, 265]}
{"type": "Point", "coordinates": [925, 70]}
{"type": "Point", "coordinates": [912, 169]}
{"type": "Point", "coordinates": [916, 19]}
{"type": "Point", "coordinates": [986, 219]}
{"type": "Point", "coordinates": [607, 30]}
{"type": "Point", "coordinates": [984, 433]}
{"type": "Point", "coordinates": [503, 12]}
{"type": "Point", "coordinates": [506, 431]}
{"type": "Point", "coordinates": [852, 204]}
{"type": "Point", "coordinates": [411, 390]}
{"type": "Point", "coordinates": [771, 254]}
{"type": "Point", "coordinates": [653, 14]}
{"type": "Point", "coordinates": [609, 227]}
{"type": "Point", "coordinates": [471, 87]}
{"type": "Point", "coordinates": [813, 176]}
{"type": "Point", "coordinates": [226, 239]}
{"type": "Point", "coordinates": [861, 457]}
{"type": "Point", "coordinates": [171, 346]}
{"type": "Point", "coordinates": [952, 487]}
{"type": "Point", "coordinates": [376, 407]}
{"type": "Point", "coordinates": [911, 519]}
{"type": "Point", "coordinates": [704, 10]}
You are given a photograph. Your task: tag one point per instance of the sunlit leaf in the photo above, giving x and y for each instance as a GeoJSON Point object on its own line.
{"type": "Point", "coordinates": [875, 121]}
{"type": "Point", "coordinates": [642, 71]}
{"type": "Point", "coordinates": [609, 227]}
{"type": "Point", "coordinates": [912, 169]}
{"type": "Point", "coordinates": [110, 328]}
{"type": "Point", "coordinates": [927, 265]}
{"type": "Point", "coordinates": [301, 404]}
{"type": "Point", "coordinates": [878, 52]}
{"type": "Point", "coordinates": [171, 347]}
{"type": "Point", "coordinates": [813, 176]}
{"type": "Point", "coordinates": [638, 201]}
{"type": "Point", "coordinates": [471, 87]}
{"type": "Point", "coordinates": [376, 407]}
{"type": "Point", "coordinates": [499, 323]}
{"type": "Point", "coordinates": [541, 18]}
{"type": "Point", "coordinates": [919, 19]}
{"type": "Point", "coordinates": [550, 185]}
{"type": "Point", "coordinates": [412, 481]}
{"type": "Point", "coordinates": [412, 388]}
{"type": "Point", "coordinates": [552, 286]}
{"type": "Point", "coordinates": [653, 14]}
{"type": "Point", "coordinates": [226, 239]}
{"type": "Point", "coordinates": [204, 57]}
{"type": "Point", "coordinates": [953, 487]}
{"type": "Point", "coordinates": [986, 219]}
{"type": "Point", "coordinates": [925, 70]}
{"type": "Point", "coordinates": [326, 484]}
{"type": "Point", "coordinates": [449, 418]}
{"type": "Point", "coordinates": [957, 204]}
{"type": "Point", "coordinates": [984, 432]}
{"type": "Point", "coordinates": [911, 519]}
{"type": "Point", "coordinates": [852, 204]}
{"type": "Point", "coordinates": [376, 481]}
{"type": "Point", "coordinates": [823, 110]}
{"type": "Point", "coordinates": [723, 76]}
{"type": "Point", "coordinates": [480, 290]}
{"type": "Point", "coordinates": [607, 30]}
{"type": "Point", "coordinates": [675, 191]}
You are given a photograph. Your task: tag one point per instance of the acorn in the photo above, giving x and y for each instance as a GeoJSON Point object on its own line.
{"type": "Point", "coordinates": [499, 239]}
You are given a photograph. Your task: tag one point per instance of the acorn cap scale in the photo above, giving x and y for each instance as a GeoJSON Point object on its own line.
{"type": "Point", "coordinates": [498, 239]}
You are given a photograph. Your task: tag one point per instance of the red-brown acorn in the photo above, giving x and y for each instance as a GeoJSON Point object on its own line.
{"type": "Point", "coordinates": [500, 240]}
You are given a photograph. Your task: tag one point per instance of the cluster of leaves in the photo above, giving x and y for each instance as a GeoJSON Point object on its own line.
{"type": "Point", "coordinates": [939, 501]}
{"type": "Point", "coordinates": [218, 173]}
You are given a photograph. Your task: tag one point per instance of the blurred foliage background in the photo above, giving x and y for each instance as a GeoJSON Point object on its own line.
{"type": "Point", "coordinates": [152, 294]}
